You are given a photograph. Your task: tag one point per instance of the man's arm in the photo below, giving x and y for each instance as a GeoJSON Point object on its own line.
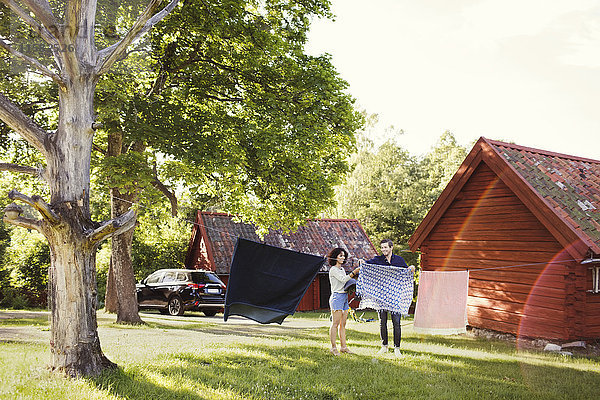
{"type": "Point", "coordinates": [375, 260]}
{"type": "Point", "coordinates": [398, 261]}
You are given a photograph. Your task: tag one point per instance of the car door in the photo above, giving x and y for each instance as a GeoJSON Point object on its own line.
{"type": "Point", "coordinates": [148, 291]}
{"type": "Point", "coordinates": [167, 286]}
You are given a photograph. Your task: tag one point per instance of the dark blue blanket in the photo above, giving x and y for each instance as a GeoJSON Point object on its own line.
{"type": "Point", "coordinates": [266, 283]}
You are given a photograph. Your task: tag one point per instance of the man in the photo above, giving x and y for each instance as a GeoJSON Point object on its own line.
{"type": "Point", "coordinates": [387, 257]}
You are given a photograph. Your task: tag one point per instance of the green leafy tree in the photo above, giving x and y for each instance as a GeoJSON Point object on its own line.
{"type": "Point", "coordinates": [390, 191]}
{"type": "Point", "coordinates": [384, 193]}
{"type": "Point", "coordinates": [278, 119]}
{"type": "Point", "coordinates": [441, 163]}
{"type": "Point", "coordinates": [229, 108]}
{"type": "Point", "coordinates": [62, 49]}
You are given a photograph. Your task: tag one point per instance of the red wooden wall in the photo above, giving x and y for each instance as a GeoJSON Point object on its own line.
{"type": "Point", "coordinates": [488, 226]}
{"type": "Point", "coordinates": [311, 299]}
{"type": "Point", "coordinates": [592, 309]}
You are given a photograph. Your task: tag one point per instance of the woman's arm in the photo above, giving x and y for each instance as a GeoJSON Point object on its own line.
{"type": "Point", "coordinates": [339, 274]}
{"type": "Point", "coordinates": [354, 273]}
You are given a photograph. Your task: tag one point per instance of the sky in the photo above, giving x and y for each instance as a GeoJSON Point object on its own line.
{"type": "Point", "coordinates": [522, 71]}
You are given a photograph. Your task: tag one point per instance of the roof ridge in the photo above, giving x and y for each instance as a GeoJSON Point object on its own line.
{"type": "Point", "coordinates": [539, 151]}
{"type": "Point", "coordinates": [224, 214]}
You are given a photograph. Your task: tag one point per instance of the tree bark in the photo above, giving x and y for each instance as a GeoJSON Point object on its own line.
{"type": "Point", "coordinates": [74, 344]}
{"type": "Point", "coordinates": [121, 268]}
{"type": "Point", "coordinates": [121, 297]}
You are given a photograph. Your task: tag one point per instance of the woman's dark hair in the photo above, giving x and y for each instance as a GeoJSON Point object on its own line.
{"type": "Point", "coordinates": [333, 255]}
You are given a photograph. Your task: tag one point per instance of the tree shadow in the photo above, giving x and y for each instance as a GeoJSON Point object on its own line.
{"type": "Point", "coordinates": [489, 345]}
{"type": "Point", "coordinates": [249, 330]}
{"type": "Point", "coordinates": [297, 371]}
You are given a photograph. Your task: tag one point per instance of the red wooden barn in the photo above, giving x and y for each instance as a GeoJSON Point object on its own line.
{"type": "Point", "coordinates": [510, 206]}
{"type": "Point", "coordinates": [214, 236]}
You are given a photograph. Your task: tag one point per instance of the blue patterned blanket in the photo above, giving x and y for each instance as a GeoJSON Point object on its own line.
{"type": "Point", "coordinates": [383, 287]}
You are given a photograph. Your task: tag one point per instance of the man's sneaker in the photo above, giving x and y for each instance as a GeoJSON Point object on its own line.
{"type": "Point", "coordinates": [397, 352]}
{"type": "Point", "coordinates": [382, 350]}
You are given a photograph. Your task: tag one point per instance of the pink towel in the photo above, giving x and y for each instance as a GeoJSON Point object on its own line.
{"type": "Point", "coordinates": [442, 302]}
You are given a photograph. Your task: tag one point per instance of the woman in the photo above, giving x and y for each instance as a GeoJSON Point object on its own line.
{"type": "Point", "coordinates": [338, 302]}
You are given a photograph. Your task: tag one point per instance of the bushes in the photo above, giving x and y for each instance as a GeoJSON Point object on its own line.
{"type": "Point", "coordinates": [11, 297]}
{"type": "Point", "coordinates": [157, 246]}
{"type": "Point", "coordinates": [24, 270]}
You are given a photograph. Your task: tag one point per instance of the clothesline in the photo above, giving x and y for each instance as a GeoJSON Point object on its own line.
{"type": "Point", "coordinates": [520, 265]}
{"type": "Point", "coordinates": [401, 251]}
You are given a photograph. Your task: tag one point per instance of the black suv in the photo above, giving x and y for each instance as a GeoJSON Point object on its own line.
{"type": "Point", "coordinates": [175, 290]}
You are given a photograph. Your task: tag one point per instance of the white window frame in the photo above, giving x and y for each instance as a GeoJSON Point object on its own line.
{"type": "Point", "coordinates": [595, 279]}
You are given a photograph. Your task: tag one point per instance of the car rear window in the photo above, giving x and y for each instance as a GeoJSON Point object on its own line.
{"type": "Point", "coordinates": [182, 277]}
{"type": "Point", "coordinates": [205, 277]}
{"type": "Point", "coordinates": [213, 278]}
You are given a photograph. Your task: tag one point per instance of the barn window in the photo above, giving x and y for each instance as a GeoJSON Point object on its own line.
{"type": "Point", "coordinates": [593, 264]}
{"type": "Point", "coordinates": [595, 279]}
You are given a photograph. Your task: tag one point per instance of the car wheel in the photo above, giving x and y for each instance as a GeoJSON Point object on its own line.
{"type": "Point", "coordinates": [175, 306]}
{"type": "Point", "coordinates": [210, 313]}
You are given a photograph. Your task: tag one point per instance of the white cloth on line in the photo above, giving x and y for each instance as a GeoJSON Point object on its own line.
{"type": "Point", "coordinates": [442, 302]}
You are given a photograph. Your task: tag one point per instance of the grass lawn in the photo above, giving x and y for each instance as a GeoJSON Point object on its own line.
{"type": "Point", "coordinates": [196, 357]}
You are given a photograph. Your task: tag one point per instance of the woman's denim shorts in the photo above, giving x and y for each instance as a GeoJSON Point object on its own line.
{"type": "Point", "coordinates": [339, 302]}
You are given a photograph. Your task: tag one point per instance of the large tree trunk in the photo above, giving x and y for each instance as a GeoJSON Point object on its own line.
{"type": "Point", "coordinates": [121, 295]}
{"type": "Point", "coordinates": [75, 344]}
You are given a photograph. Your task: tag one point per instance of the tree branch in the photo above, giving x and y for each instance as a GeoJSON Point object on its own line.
{"type": "Point", "coordinates": [224, 99]}
{"type": "Point", "coordinates": [113, 227]}
{"type": "Point", "coordinates": [38, 203]}
{"type": "Point", "coordinates": [29, 20]}
{"type": "Point", "coordinates": [25, 223]}
{"type": "Point", "coordinates": [145, 21]}
{"type": "Point", "coordinates": [34, 63]}
{"type": "Point", "coordinates": [165, 190]}
{"type": "Point", "coordinates": [72, 9]}
{"type": "Point", "coordinates": [69, 34]}
{"type": "Point", "coordinates": [21, 169]}
{"type": "Point", "coordinates": [168, 194]}
{"type": "Point", "coordinates": [78, 33]}
{"type": "Point", "coordinates": [22, 124]}
{"type": "Point", "coordinates": [43, 12]}
{"type": "Point", "coordinates": [41, 9]}
{"type": "Point", "coordinates": [99, 149]}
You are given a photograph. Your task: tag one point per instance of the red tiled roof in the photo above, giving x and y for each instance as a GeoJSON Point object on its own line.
{"type": "Point", "coordinates": [570, 185]}
{"type": "Point", "coordinates": [317, 237]}
{"type": "Point", "coordinates": [562, 191]}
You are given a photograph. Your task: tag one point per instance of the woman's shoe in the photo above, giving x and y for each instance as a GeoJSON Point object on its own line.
{"type": "Point", "coordinates": [334, 351]}
{"type": "Point", "coordinates": [345, 350]}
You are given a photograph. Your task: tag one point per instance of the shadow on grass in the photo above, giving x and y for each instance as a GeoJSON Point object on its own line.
{"type": "Point", "coordinates": [34, 321]}
{"type": "Point", "coordinates": [488, 345]}
{"type": "Point", "coordinates": [292, 372]}
{"type": "Point", "coordinates": [270, 331]}
{"type": "Point", "coordinates": [462, 341]}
